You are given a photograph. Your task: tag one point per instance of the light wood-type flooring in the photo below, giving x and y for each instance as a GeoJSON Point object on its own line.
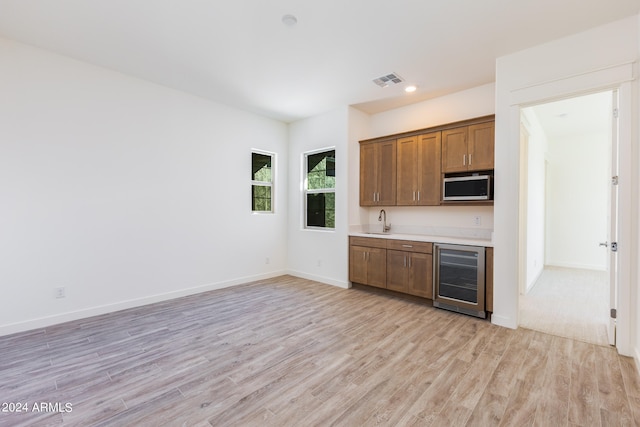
{"type": "Point", "coordinates": [292, 352]}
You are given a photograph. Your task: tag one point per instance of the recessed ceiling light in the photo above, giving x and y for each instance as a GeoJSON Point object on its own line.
{"type": "Point", "coordinates": [410, 88]}
{"type": "Point", "coordinates": [289, 20]}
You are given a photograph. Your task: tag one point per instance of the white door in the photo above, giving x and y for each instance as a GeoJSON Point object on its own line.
{"type": "Point", "coordinates": [613, 224]}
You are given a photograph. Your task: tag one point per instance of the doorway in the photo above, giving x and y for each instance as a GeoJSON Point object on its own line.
{"type": "Point", "coordinates": [567, 148]}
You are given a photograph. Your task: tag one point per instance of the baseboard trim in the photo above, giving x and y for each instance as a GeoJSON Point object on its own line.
{"type": "Point", "coordinates": [43, 322]}
{"type": "Point", "coordinates": [575, 266]}
{"type": "Point", "coordinates": [503, 321]}
{"type": "Point", "coordinates": [321, 279]}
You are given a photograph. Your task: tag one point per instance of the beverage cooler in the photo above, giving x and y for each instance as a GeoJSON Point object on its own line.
{"type": "Point", "coordinates": [459, 279]}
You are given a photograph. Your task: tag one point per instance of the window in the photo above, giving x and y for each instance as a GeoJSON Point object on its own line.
{"type": "Point", "coordinates": [320, 189]}
{"type": "Point", "coordinates": [262, 181]}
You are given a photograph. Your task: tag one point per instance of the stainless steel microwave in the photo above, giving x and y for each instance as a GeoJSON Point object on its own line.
{"type": "Point", "coordinates": [467, 187]}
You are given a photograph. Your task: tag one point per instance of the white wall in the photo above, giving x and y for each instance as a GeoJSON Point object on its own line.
{"type": "Point", "coordinates": [319, 254]}
{"type": "Point", "coordinates": [577, 200]}
{"type": "Point", "coordinates": [536, 180]}
{"type": "Point", "coordinates": [123, 192]}
{"type": "Point", "coordinates": [359, 129]}
{"type": "Point", "coordinates": [584, 62]}
{"type": "Point", "coordinates": [468, 104]}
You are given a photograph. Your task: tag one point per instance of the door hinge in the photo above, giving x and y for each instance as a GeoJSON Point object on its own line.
{"type": "Point", "coordinates": [614, 246]}
{"type": "Point", "coordinates": [614, 313]}
{"type": "Point", "coordinates": [615, 113]}
{"type": "Point", "coordinates": [614, 180]}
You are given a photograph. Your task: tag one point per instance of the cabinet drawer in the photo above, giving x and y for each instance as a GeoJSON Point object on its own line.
{"type": "Point", "coordinates": [410, 246]}
{"type": "Point", "coordinates": [370, 242]}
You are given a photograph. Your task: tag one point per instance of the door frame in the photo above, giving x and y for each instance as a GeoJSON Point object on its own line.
{"type": "Point", "coordinates": [611, 203]}
{"type": "Point", "coordinates": [618, 78]}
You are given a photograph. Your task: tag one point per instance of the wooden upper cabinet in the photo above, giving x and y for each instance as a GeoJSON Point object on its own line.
{"type": "Point", "coordinates": [387, 177]}
{"type": "Point", "coordinates": [454, 149]}
{"type": "Point", "coordinates": [378, 173]}
{"type": "Point", "coordinates": [418, 170]}
{"type": "Point", "coordinates": [429, 179]}
{"type": "Point", "coordinates": [407, 149]}
{"type": "Point", "coordinates": [481, 143]}
{"type": "Point", "coordinates": [468, 148]}
{"type": "Point", "coordinates": [407, 169]}
{"type": "Point", "coordinates": [368, 174]}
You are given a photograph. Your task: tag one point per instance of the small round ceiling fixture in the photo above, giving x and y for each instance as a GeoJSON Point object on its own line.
{"type": "Point", "coordinates": [289, 20]}
{"type": "Point", "coordinates": [410, 88]}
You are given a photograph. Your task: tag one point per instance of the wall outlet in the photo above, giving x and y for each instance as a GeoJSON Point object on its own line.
{"type": "Point", "coordinates": [59, 292]}
{"type": "Point", "coordinates": [477, 220]}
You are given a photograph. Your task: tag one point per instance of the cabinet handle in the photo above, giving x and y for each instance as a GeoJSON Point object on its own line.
{"type": "Point", "coordinates": [414, 195]}
{"type": "Point", "coordinates": [407, 246]}
{"type": "Point", "coordinates": [464, 160]}
{"type": "Point", "coordinates": [405, 260]}
{"type": "Point", "coordinates": [418, 195]}
{"type": "Point", "coordinates": [364, 256]}
{"type": "Point", "coordinates": [469, 159]}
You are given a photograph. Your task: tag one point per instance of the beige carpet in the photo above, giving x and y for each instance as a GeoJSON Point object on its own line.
{"type": "Point", "coordinates": [570, 303]}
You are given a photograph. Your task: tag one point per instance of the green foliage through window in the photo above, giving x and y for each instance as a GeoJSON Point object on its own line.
{"type": "Point", "coordinates": [261, 182]}
{"type": "Point", "coordinates": [320, 198]}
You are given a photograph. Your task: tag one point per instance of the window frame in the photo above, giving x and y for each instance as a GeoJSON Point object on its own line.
{"type": "Point", "coordinates": [270, 184]}
{"type": "Point", "coordinates": [306, 191]}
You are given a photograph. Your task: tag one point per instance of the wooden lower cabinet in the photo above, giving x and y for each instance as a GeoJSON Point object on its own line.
{"type": "Point", "coordinates": [399, 265]}
{"type": "Point", "coordinates": [420, 280]}
{"type": "Point", "coordinates": [368, 264]}
{"type": "Point", "coordinates": [403, 266]}
{"type": "Point", "coordinates": [410, 273]}
{"type": "Point", "coordinates": [397, 271]}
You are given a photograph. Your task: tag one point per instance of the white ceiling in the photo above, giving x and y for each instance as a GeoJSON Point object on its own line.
{"type": "Point", "coordinates": [591, 113]}
{"type": "Point", "coordinates": [241, 54]}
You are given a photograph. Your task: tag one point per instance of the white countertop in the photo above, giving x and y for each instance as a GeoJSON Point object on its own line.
{"type": "Point", "coordinates": [458, 240]}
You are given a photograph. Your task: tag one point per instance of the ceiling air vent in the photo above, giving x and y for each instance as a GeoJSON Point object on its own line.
{"type": "Point", "coordinates": [388, 80]}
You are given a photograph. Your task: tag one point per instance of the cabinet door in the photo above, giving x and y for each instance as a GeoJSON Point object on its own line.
{"type": "Point", "coordinates": [377, 267]}
{"type": "Point", "coordinates": [429, 177]}
{"type": "Point", "coordinates": [454, 150]}
{"type": "Point", "coordinates": [420, 278]}
{"type": "Point", "coordinates": [407, 185]}
{"type": "Point", "coordinates": [358, 264]}
{"type": "Point", "coordinates": [368, 174]}
{"type": "Point", "coordinates": [397, 267]}
{"type": "Point", "coordinates": [481, 143]}
{"type": "Point", "coordinates": [387, 173]}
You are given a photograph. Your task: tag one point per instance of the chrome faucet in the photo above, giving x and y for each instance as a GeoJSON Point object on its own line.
{"type": "Point", "coordinates": [385, 227]}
